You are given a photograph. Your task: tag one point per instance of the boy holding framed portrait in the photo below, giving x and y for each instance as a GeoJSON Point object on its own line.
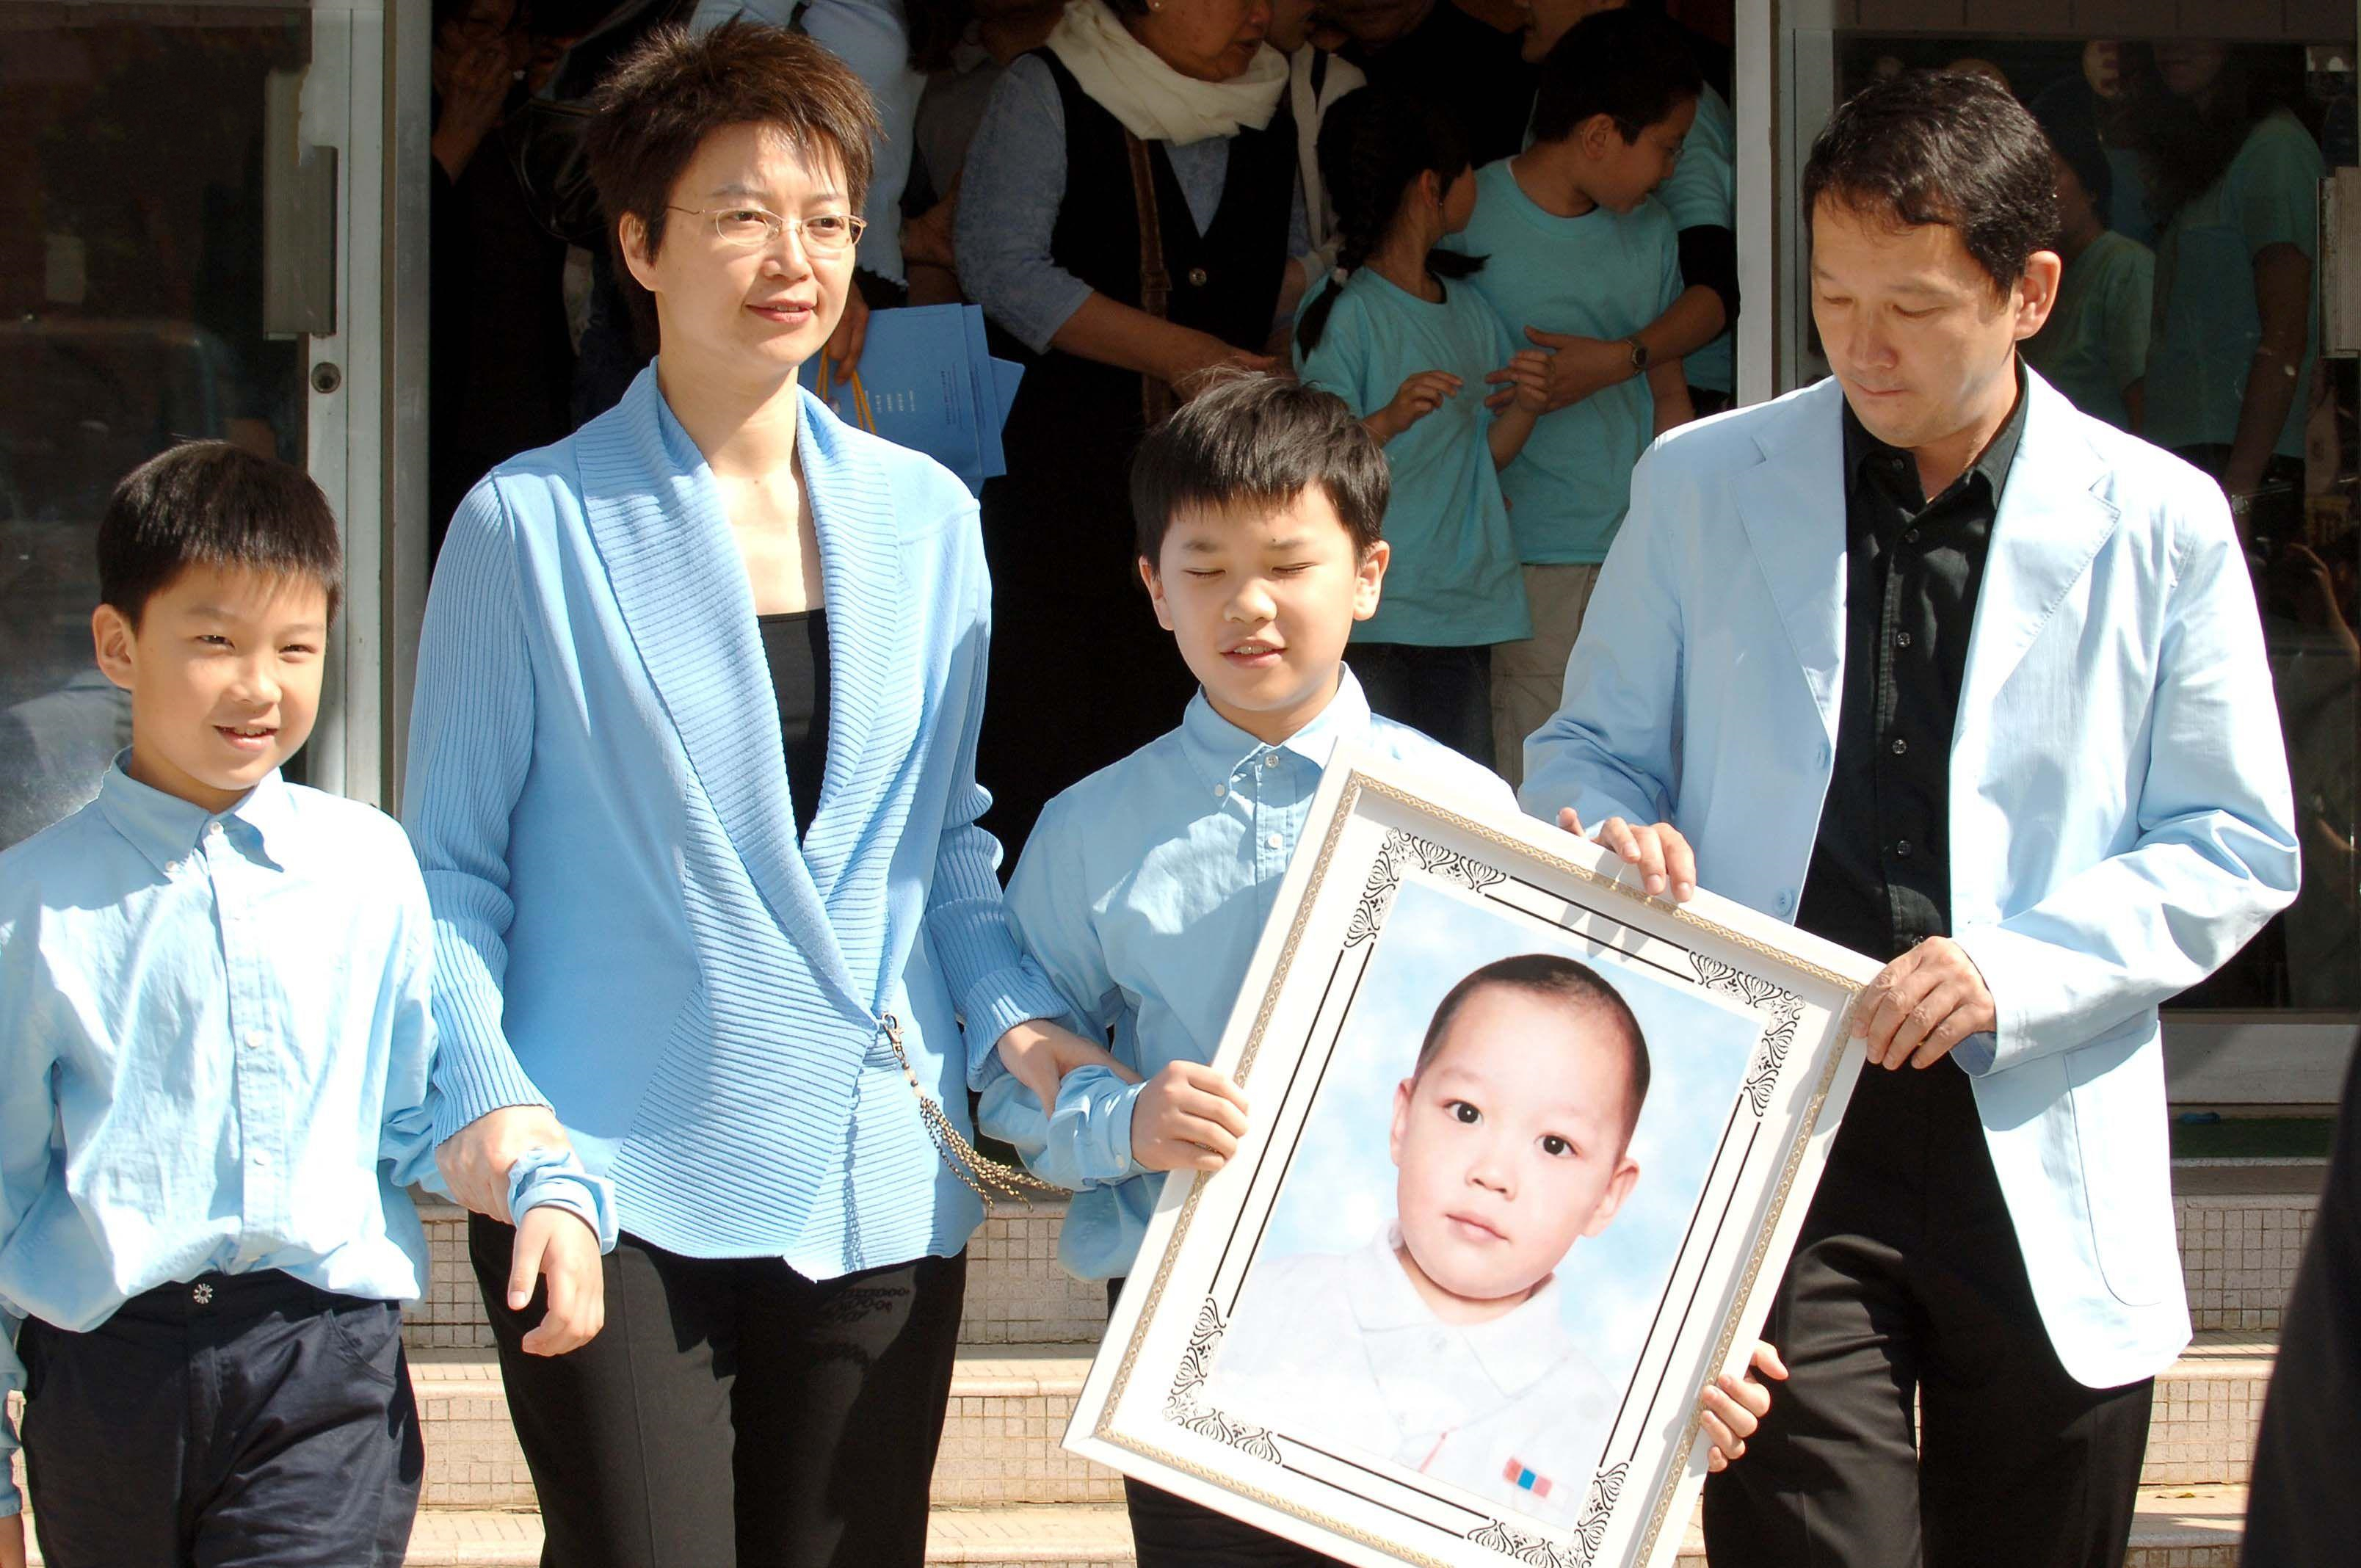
{"type": "Point", "coordinates": [1144, 889]}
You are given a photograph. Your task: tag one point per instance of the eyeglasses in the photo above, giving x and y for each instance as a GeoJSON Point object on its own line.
{"type": "Point", "coordinates": [747, 228]}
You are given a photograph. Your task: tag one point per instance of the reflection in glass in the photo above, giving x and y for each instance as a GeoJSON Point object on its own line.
{"type": "Point", "coordinates": [131, 162]}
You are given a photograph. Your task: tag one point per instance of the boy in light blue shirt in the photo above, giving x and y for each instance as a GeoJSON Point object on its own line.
{"type": "Point", "coordinates": [1144, 889]}
{"type": "Point", "coordinates": [215, 1049]}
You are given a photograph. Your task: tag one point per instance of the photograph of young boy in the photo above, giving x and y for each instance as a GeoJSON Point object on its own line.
{"type": "Point", "coordinates": [1442, 1345]}
{"type": "Point", "coordinates": [215, 1054]}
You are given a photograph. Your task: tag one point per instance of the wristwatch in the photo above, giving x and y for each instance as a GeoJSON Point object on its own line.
{"type": "Point", "coordinates": [1639, 356]}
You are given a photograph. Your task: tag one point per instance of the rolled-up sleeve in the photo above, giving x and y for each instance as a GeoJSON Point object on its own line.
{"type": "Point", "coordinates": [470, 743]}
{"type": "Point", "coordinates": [1009, 194]}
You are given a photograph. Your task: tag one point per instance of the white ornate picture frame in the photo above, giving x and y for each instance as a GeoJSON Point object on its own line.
{"type": "Point", "coordinates": [1758, 1150]}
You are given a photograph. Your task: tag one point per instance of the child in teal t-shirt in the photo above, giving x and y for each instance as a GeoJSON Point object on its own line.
{"type": "Point", "coordinates": [1574, 246]}
{"type": "Point", "coordinates": [1398, 333]}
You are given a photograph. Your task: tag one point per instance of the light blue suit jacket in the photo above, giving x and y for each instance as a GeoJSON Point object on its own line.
{"type": "Point", "coordinates": [2120, 815]}
{"type": "Point", "coordinates": [625, 923]}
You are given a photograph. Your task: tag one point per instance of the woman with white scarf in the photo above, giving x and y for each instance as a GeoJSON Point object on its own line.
{"type": "Point", "coordinates": [1138, 116]}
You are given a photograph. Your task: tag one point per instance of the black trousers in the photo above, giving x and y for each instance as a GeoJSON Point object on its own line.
{"type": "Point", "coordinates": [1908, 1281]}
{"type": "Point", "coordinates": [1443, 693]}
{"type": "Point", "coordinates": [1171, 1531]}
{"type": "Point", "coordinates": [233, 1422]}
{"type": "Point", "coordinates": [733, 1412]}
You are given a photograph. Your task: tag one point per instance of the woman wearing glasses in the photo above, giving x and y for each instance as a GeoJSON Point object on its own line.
{"type": "Point", "coordinates": [692, 778]}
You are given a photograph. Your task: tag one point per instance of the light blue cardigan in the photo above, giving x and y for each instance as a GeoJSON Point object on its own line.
{"type": "Point", "coordinates": [625, 924]}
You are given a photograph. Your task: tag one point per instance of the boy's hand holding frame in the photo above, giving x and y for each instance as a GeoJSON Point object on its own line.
{"type": "Point", "coordinates": [1189, 1117]}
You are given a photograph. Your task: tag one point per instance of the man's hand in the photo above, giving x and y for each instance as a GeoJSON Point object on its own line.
{"type": "Point", "coordinates": [556, 1245]}
{"type": "Point", "coordinates": [1733, 1408]}
{"type": "Point", "coordinates": [1922, 1005]}
{"type": "Point", "coordinates": [12, 1542]}
{"type": "Point", "coordinates": [1039, 1054]}
{"type": "Point", "coordinates": [843, 346]}
{"type": "Point", "coordinates": [1664, 856]}
{"type": "Point", "coordinates": [475, 1161]}
{"type": "Point", "coordinates": [1188, 1118]}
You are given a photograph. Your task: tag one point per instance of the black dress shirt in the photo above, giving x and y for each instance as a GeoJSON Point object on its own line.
{"type": "Point", "coordinates": [1880, 879]}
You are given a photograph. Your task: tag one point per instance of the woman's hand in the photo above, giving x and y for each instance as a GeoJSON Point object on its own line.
{"type": "Point", "coordinates": [843, 346]}
{"type": "Point", "coordinates": [1039, 1054]}
{"type": "Point", "coordinates": [475, 1161]}
{"type": "Point", "coordinates": [473, 80]}
{"type": "Point", "coordinates": [556, 1245]}
{"type": "Point", "coordinates": [1732, 1409]}
{"type": "Point", "coordinates": [1418, 397]}
{"type": "Point", "coordinates": [1192, 360]}
{"type": "Point", "coordinates": [12, 1542]}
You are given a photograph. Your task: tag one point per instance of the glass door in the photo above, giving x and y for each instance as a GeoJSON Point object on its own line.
{"type": "Point", "coordinates": [193, 252]}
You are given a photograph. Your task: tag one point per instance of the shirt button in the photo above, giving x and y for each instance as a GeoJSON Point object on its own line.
{"type": "Point", "coordinates": [1902, 640]}
{"type": "Point", "coordinates": [1221, 791]}
{"type": "Point", "coordinates": [1274, 840]}
{"type": "Point", "coordinates": [1786, 901]}
{"type": "Point", "coordinates": [254, 1042]}
{"type": "Point", "coordinates": [1197, 277]}
{"type": "Point", "coordinates": [1911, 537]}
{"type": "Point", "coordinates": [1901, 747]}
{"type": "Point", "coordinates": [262, 1158]}
{"type": "Point", "coordinates": [1902, 848]}
{"type": "Point", "coordinates": [212, 830]}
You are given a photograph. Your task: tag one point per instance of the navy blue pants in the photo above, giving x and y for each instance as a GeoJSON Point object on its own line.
{"type": "Point", "coordinates": [233, 1422]}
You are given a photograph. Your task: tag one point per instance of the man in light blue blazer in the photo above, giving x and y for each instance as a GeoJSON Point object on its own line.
{"type": "Point", "coordinates": [1929, 662]}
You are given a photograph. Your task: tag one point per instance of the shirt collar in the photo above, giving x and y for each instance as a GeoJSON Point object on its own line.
{"type": "Point", "coordinates": [1218, 749]}
{"type": "Point", "coordinates": [1515, 1349]}
{"type": "Point", "coordinates": [164, 828]}
{"type": "Point", "coordinates": [1992, 464]}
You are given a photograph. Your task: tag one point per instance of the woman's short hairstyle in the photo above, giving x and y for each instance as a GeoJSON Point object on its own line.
{"type": "Point", "coordinates": [1933, 147]}
{"type": "Point", "coordinates": [675, 89]}
{"type": "Point", "coordinates": [1251, 440]}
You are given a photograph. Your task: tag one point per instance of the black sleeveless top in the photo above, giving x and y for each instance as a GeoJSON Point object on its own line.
{"type": "Point", "coordinates": [796, 648]}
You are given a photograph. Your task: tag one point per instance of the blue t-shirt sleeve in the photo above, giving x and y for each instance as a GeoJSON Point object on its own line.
{"type": "Point", "coordinates": [1341, 363]}
{"type": "Point", "coordinates": [2272, 189]}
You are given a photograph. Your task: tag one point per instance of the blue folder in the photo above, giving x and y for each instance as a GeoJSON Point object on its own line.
{"type": "Point", "coordinates": [927, 381]}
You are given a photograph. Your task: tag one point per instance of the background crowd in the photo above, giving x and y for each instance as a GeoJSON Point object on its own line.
{"type": "Point", "coordinates": [2186, 171]}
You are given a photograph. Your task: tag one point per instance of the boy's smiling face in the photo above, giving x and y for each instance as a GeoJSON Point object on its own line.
{"type": "Point", "coordinates": [1262, 601]}
{"type": "Point", "coordinates": [224, 671]}
{"type": "Point", "coordinates": [1512, 1146]}
{"type": "Point", "coordinates": [1621, 173]}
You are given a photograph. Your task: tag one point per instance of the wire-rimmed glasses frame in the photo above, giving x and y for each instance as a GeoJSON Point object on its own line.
{"type": "Point", "coordinates": [744, 227]}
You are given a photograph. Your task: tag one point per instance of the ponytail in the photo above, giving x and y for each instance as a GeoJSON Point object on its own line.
{"type": "Point", "coordinates": [1374, 144]}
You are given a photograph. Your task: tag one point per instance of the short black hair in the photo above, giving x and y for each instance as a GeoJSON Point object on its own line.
{"type": "Point", "coordinates": [1939, 147]}
{"type": "Point", "coordinates": [1634, 67]}
{"type": "Point", "coordinates": [1251, 439]}
{"type": "Point", "coordinates": [208, 503]}
{"type": "Point", "coordinates": [1559, 979]}
{"type": "Point", "coordinates": [2068, 114]}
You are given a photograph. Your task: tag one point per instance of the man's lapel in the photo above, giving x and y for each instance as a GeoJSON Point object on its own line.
{"type": "Point", "coordinates": [1793, 506]}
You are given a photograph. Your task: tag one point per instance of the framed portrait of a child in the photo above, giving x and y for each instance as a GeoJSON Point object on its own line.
{"type": "Point", "coordinates": [1526, 1154]}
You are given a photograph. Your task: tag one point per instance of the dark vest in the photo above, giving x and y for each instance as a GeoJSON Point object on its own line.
{"type": "Point", "coordinates": [1225, 281]}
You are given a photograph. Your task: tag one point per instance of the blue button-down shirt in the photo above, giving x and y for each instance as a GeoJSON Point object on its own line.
{"type": "Point", "coordinates": [1143, 891]}
{"type": "Point", "coordinates": [214, 1056]}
